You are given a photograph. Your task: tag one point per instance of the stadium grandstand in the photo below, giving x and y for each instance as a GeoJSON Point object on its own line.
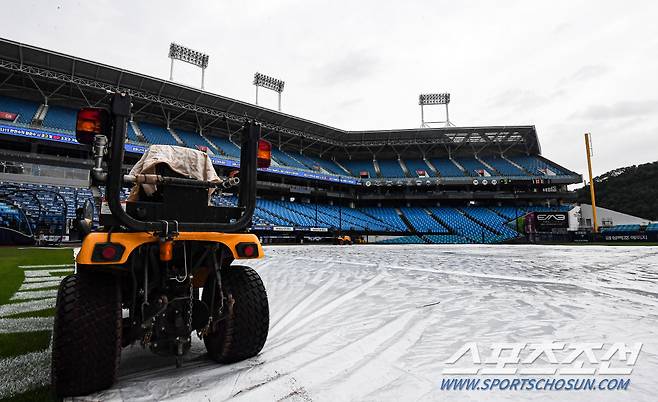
{"type": "Point", "coordinates": [421, 185]}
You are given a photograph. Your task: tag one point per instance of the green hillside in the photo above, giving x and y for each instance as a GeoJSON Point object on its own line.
{"type": "Point", "coordinates": [632, 190]}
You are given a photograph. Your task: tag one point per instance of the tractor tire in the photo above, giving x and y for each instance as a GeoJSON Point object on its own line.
{"type": "Point", "coordinates": [86, 345]}
{"type": "Point", "coordinates": [242, 330]}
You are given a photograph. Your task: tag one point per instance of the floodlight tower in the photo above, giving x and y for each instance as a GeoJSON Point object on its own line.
{"type": "Point", "coordinates": [430, 100]}
{"type": "Point", "coordinates": [267, 82]}
{"type": "Point", "coordinates": [182, 53]}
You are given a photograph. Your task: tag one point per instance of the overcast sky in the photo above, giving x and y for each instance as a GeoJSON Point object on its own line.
{"type": "Point", "coordinates": [565, 66]}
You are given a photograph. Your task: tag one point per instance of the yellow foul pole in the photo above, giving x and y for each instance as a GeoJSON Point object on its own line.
{"type": "Point", "coordinates": [595, 225]}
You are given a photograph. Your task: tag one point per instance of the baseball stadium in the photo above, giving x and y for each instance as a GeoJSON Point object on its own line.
{"type": "Point", "coordinates": [423, 185]}
{"type": "Point", "coordinates": [138, 214]}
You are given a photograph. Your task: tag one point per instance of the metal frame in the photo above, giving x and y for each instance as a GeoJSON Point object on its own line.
{"type": "Point", "coordinates": [187, 55]}
{"type": "Point", "coordinates": [431, 100]}
{"type": "Point", "coordinates": [114, 179]}
{"type": "Point", "coordinates": [89, 82]}
{"type": "Point", "coordinates": [510, 136]}
{"type": "Point", "coordinates": [271, 83]}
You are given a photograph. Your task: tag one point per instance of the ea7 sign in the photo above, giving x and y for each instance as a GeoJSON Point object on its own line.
{"type": "Point", "coordinates": [547, 221]}
{"type": "Point", "coordinates": [552, 218]}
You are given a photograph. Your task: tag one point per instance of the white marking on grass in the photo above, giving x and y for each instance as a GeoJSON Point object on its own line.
{"type": "Point", "coordinates": [27, 306]}
{"type": "Point", "coordinates": [46, 272]}
{"type": "Point", "coordinates": [28, 324]}
{"type": "Point", "coordinates": [39, 285]}
{"type": "Point", "coordinates": [23, 373]}
{"type": "Point", "coordinates": [45, 266]}
{"type": "Point", "coordinates": [41, 279]}
{"type": "Point", "coordinates": [34, 294]}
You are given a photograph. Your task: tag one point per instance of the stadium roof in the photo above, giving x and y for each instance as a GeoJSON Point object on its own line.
{"type": "Point", "coordinates": [26, 65]}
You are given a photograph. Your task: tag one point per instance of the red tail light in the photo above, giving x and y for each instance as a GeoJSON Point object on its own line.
{"type": "Point", "coordinates": [247, 250]}
{"type": "Point", "coordinates": [91, 121]}
{"type": "Point", "coordinates": [264, 154]}
{"type": "Point", "coordinates": [107, 252]}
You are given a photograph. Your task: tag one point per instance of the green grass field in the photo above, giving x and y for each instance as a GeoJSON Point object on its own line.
{"type": "Point", "coordinates": [18, 307]}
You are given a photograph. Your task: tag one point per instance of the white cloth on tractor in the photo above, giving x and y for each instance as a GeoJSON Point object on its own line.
{"type": "Point", "coordinates": [190, 163]}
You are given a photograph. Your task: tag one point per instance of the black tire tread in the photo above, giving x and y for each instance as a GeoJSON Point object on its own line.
{"type": "Point", "coordinates": [243, 332]}
{"type": "Point", "coordinates": [86, 345]}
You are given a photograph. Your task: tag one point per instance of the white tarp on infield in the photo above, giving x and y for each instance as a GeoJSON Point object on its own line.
{"type": "Point", "coordinates": [378, 322]}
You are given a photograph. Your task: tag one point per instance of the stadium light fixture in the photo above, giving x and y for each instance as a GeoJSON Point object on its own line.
{"type": "Point", "coordinates": [431, 100]}
{"type": "Point", "coordinates": [271, 83]}
{"type": "Point", "coordinates": [187, 55]}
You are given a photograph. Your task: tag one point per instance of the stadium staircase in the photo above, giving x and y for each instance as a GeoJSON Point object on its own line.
{"type": "Point", "coordinates": [431, 166]}
{"type": "Point", "coordinates": [176, 137]}
{"type": "Point", "coordinates": [469, 215]}
{"type": "Point", "coordinates": [459, 166]}
{"type": "Point", "coordinates": [139, 136]}
{"type": "Point", "coordinates": [521, 168]}
{"type": "Point", "coordinates": [441, 222]}
{"type": "Point", "coordinates": [342, 167]}
{"type": "Point", "coordinates": [300, 214]}
{"type": "Point", "coordinates": [192, 140]}
{"type": "Point", "coordinates": [406, 221]}
{"type": "Point", "coordinates": [490, 168]}
{"type": "Point", "coordinates": [225, 147]}
{"type": "Point", "coordinates": [40, 115]}
{"type": "Point", "coordinates": [209, 143]}
{"type": "Point", "coordinates": [377, 169]}
{"type": "Point", "coordinates": [497, 212]}
{"type": "Point", "coordinates": [403, 165]}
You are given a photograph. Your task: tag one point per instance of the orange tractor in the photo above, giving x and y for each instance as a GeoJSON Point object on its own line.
{"type": "Point", "coordinates": [159, 267]}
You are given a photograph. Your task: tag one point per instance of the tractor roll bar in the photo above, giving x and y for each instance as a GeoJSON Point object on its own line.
{"type": "Point", "coordinates": [120, 111]}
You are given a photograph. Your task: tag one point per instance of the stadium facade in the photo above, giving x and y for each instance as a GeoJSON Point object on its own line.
{"type": "Point", "coordinates": [427, 185]}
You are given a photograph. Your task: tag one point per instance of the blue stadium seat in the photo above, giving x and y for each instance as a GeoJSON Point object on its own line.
{"type": "Point", "coordinates": [492, 220]}
{"type": "Point", "coordinates": [414, 165]}
{"type": "Point", "coordinates": [620, 229]}
{"type": "Point", "coordinates": [309, 162]}
{"type": "Point", "coordinates": [402, 240]}
{"type": "Point", "coordinates": [328, 165]}
{"type": "Point", "coordinates": [503, 167]}
{"type": "Point", "coordinates": [446, 239]}
{"type": "Point", "coordinates": [132, 136]}
{"type": "Point", "coordinates": [464, 225]}
{"type": "Point", "coordinates": [473, 167]}
{"type": "Point", "coordinates": [192, 140]}
{"type": "Point", "coordinates": [358, 166]}
{"type": "Point", "coordinates": [536, 165]}
{"type": "Point", "coordinates": [422, 221]}
{"type": "Point", "coordinates": [387, 215]}
{"type": "Point", "coordinates": [156, 134]}
{"type": "Point", "coordinates": [509, 212]}
{"type": "Point", "coordinates": [446, 168]}
{"type": "Point", "coordinates": [229, 148]}
{"type": "Point", "coordinates": [461, 225]}
{"type": "Point", "coordinates": [284, 159]}
{"type": "Point", "coordinates": [63, 118]}
{"type": "Point", "coordinates": [390, 168]}
{"type": "Point", "coordinates": [25, 109]}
